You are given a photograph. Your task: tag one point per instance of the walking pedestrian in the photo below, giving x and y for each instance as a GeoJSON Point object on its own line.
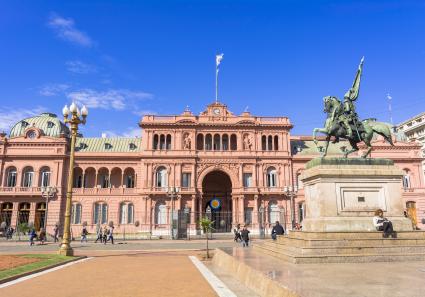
{"type": "Point", "coordinates": [245, 236]}
{"type": "Point", "coordinates": [84, 233]}
{"type": "Point", "coordinates": [9, 232]}
{"type": "Point", "coordinates": [237, 232]}
{"type": "Point", "coordinates": [56, 233]}
{"type": "Point", "coordinates": [104, 234]}
{"type": "Point", "coordinates": [99, 234]}
{"type": "Point", "coordinates": [42, 236]}
{"type": "Point", "coordinates": [33, 235]}
{"type": "Point", "coordinates": [111, 234]}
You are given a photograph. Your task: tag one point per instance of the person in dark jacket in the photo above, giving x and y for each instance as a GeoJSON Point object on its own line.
{"type": "Point", "coordinates": [277, 230]}
{"type": "Point", "coordinates": [245, 236]}
{"type": "Point", "coordinates": [33, 235]}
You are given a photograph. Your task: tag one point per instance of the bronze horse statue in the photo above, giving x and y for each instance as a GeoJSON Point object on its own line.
{"type": "Point", "coordinates": [334, 127]}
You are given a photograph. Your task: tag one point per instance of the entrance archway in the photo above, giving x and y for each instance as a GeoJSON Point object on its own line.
{"type": "Point", "coordinates": [217, 195]}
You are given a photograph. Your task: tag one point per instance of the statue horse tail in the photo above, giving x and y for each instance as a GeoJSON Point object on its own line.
{"type": "Point", "coordinates": [380, 128]}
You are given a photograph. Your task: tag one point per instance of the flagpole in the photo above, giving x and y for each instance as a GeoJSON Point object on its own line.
{"type": "Point", "coordinates": [216, 83]}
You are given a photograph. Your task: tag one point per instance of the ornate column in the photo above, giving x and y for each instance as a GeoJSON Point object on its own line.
{"type": "Point", "coordinates": [95, 178]}
{"type": "Point", "coordinates": [255, 212]}
{"type": "Point", "coordinates": [234, 211]}
{"type": "Point", "coordinates": [241, 175]}
{"type": "Point", "coordinates": [242, 209]}
{"type": "Point", "coordinates": [193, 210]}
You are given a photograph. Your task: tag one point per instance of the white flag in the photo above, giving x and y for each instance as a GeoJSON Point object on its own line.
{"type": "Point", "coordinates": [218, 59]}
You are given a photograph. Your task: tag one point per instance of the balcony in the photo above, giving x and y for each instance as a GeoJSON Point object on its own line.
{"type": "Point", "coordinates": [22, 191]}
{"type": "Point", "coordinates": [272, 190]}
{"type": "Point", "coordinates": [104, 191]}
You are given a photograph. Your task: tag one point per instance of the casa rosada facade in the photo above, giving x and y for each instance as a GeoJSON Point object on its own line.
{"type": "Point", "coordinates": [237, 169]}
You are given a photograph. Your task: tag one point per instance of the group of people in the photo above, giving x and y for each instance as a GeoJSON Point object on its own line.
{"type": "Point", "coordinates": [41, 236]}
{"type": "Point", "coordinates": [104, 234]}
{"type": "Point", "coordinates": [241, 235]}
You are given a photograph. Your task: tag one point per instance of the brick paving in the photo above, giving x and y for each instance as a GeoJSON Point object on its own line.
{"type": "Point", "coordinates": [145, 273]}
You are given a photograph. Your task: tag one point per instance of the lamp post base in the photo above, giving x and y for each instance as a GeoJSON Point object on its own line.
{"type": "Point", "coordinates": [66, 250]}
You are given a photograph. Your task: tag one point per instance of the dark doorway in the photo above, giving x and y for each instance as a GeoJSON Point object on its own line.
{"type": "Point", "coordinates": [218, 186]}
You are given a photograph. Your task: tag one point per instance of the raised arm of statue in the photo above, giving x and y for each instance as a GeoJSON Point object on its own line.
{"type": "Point", "coordinates": [353, 92]}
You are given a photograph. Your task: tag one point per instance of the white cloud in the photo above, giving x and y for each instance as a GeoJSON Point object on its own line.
{"type": "Point", "coordinates": [65, 29]}
{"type": "Point", "coordinates": [144, 112]}
{"type": "Point", "coordinates": [80, 67]}
{"type": "Point", "coordinates": [10, 116]}
{"type": "Point", "coordinates": [129, 132]}
{"type": "Point", "coordinates": [109, 99]}
{"type": "Point", "coordinates": [53, 89]}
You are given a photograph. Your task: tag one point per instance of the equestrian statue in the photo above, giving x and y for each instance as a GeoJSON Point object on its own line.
{"type": "Point", "coordinates": [343, 122]}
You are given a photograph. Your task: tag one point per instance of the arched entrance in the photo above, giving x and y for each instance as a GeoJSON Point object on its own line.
{"type": "Point", "coordinates": [217, 195]}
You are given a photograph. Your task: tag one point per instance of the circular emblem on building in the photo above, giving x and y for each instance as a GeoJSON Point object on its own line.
{"type": "Point", "coordinates": [215, 203]}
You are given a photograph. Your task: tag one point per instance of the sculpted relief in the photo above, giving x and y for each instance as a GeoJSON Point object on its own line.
{"type": "Point", "coordinates": [247, 142]}
{"type": "Point", "coordinates": [187, 142]}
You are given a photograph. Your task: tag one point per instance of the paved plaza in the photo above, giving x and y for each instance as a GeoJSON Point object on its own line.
{"type": "Point", "coordinates": [383, 279]}
{"type": "Point", "coordinates": [112, 274]}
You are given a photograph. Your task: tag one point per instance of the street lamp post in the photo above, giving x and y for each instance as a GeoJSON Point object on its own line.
{"type": "Point", "coordinates": [291, 192]}
{"type": "Point", "coordinates": [47, 192]}
{"type": "Point", "coordinates": [76, 118]}
{"type": "Point", "coordinates": [172, 192]}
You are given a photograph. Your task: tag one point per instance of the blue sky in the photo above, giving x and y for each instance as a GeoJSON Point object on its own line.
{"type": "Point", "coordinates": [128, 58]}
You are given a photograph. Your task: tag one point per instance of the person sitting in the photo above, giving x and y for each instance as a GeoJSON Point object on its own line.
{"type": "Point", "coordinates": [277, 230]}
{"type": "Point", "coordinates": [383, 224]}
{"type": "Point", "coordinates": [237, 232]}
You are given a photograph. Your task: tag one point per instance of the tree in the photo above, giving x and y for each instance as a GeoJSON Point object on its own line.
{"type": "Point", "coordinates": [207, 227]}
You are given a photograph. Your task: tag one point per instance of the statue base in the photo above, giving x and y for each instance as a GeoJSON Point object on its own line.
{"type": "Point", "coordinates": [343, 194]}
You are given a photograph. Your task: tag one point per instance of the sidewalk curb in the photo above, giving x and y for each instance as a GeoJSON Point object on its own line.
{"type": "Point", "coordinates": [15, 277]}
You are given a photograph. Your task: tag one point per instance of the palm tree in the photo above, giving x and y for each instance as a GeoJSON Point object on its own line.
{"type": "Point", "coordinates": [207, 227]}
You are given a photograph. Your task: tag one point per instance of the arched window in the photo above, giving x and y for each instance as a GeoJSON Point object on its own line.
{"type": "Point", "coordinates": [155, 142]}
{"type": "Point", "coordinates": [217, 142]}
{"type": "Point", "coordinates": [11, 177]}
{"type": "Point", "coordinates": [160, 213]}
{"type": "Point", "coordinates": [276, 143]}
{"type": "Point", "coordinates": [271, 178]}
{"type": "Point", "coordinates": [200, 142]}
{"type": "Point", "coordinates": [168, 141]}
{"type": "Point", "coordinates": [28, 177]}
{"type": "Point", "coordinates": [161, 177]}
{"type": "Point", "coordinates": [225, 142]}
{"type": "Point", "coordinates": [45, 177]}
{"type": "Point", "coordinates": [78, 177]}
{"type": "Point", "coordinates": [406, 179]}
{"type": "Point", "coordinates": [129, 178]}
{"type": "Point", "coordinates": [103, 178]}
{"type": "Point", "coordinates": [270, 143]}
{"type": "Point", "coordinates": [264, 142]}
{"type": "Point", "coordinates": [126, 213]}
{"type": "Point", "coordinates": [100, 213]}
{"type": "Point", "coordinates": [162, 142]}
{"type": "Point", "coordinates": [233, 142]}
{"type": "Point", "coordinates": [76, 213]}
{"type": "Point", "coordinates": [208, 142]}
{"type": "Point", "coordinates": [274, 212]}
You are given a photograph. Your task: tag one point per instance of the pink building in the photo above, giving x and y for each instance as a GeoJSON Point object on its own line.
{"type": "Point", "coordinates": [237, 169]}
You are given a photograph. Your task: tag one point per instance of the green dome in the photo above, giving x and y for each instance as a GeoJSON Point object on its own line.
{"type": "Point", "coordinates": [47, 122]}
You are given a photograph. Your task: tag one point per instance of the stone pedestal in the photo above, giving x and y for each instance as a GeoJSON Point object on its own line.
{"type": "Point", "coordinates": [343, 194]}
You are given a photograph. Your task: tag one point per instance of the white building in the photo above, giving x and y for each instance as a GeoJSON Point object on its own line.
{"type": "Point", "coordinates": [414, 129]}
